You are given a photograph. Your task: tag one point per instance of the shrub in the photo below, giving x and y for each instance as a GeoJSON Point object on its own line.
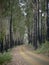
{"type": "Point", "coordinates": [5, 57]}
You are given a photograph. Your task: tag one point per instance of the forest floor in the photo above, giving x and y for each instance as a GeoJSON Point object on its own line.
{"type": "Point", "coordinates": [23, 55]}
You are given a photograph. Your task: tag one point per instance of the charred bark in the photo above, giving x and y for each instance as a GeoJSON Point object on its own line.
{"type": "Point", "coordinates": [47, 20]}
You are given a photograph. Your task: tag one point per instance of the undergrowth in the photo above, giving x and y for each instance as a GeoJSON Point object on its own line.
{"type": "Point", "coordinates": [44, 48]}
{"type": "Point", "coordinates": [5, 57]}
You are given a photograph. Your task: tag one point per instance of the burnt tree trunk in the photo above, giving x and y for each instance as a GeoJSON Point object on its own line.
{"type": "Point", "coordinates": [35, 32]}
{"type": "Point", "coordinates": [47, 20]}
{"type": "Point", "coordinates": [11, 36]}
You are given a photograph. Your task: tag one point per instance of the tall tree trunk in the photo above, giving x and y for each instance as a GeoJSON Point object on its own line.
{"type": "Point", "coordinates": [38, 22]}
{"type": "Point", "coordinates": [35, 31]}
{"type": "Point", "coordinates": [2, 46]}
{"type": "Point", "coordinates": [48, 20]}
{"type": "Point", "coordinates": [11, 37]}
{"type": "Point", "coordinates": [29, 35]}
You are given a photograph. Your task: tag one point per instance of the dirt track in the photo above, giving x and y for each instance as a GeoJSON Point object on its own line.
{"type": "Point", "coordinates": [23, 56]}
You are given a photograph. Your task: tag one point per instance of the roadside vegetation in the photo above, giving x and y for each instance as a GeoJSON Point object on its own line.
{"type": "Point", "coordinates": [5, 57]}
{"type": "Point", "coordinates": [44, 48]}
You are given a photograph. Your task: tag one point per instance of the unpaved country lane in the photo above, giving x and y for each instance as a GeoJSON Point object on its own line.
{"type": "Point", "coordinates": [34, 59]}
{"type": "Point", "coordinates": [17, 59]}
{"type": "Point", "coordinates": [22, 56]}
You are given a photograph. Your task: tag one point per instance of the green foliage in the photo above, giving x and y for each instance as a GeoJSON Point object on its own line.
{"type": "Point", "coordinates": [29, 17]}
{"type": "Point", "coordinates": [2, 35]}
{"type": "Point", "coordinates": [44, 48]}
{"type": "Point", "coordinates": [43, 5]}
{"type": "Point", "coordinates": [7, 6]}
{"type": "Point", "coordinates": [6, 57]}
{"type": "Point", "coordinates": [3, 31]}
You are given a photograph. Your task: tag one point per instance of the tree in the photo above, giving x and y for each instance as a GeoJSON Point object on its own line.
{"type": "Point", "coordinates": [47, 20]}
